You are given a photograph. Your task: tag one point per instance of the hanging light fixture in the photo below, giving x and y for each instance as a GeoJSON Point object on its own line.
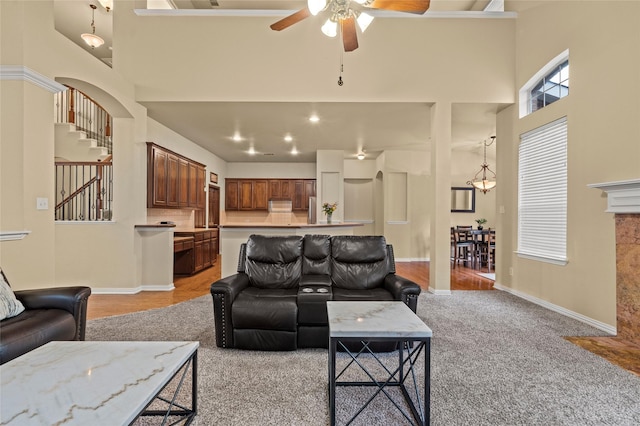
{"type": "Point", "coordinates": [91, 38]}
{"type": "Point", "coordinates": [482, 181]}
{"type": "Point", "coordinates": [107, 4]}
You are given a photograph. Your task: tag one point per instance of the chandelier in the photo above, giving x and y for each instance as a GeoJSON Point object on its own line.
{"type": "Point", "coordinates": [91, 38]}
{"type": "Point", "coordinates": [482, 180]}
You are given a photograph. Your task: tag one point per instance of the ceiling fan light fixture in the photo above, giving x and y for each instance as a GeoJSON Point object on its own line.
{"type": "Point", "coordinates": [364, 20]}
{"type": "Point", "coordinates": [330, 28]}
{"type": "Point", "coordinates": [360, 156]}
{"type": "Point", "coordinates": [91, 38]}
{"type": "Point", "coordinates": [316, 6]}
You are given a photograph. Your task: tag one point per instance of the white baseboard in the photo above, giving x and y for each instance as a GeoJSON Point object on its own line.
{"type": "Point", "coordinates": [134, 290]}
{"type": "Point", "coordinates": [412, 259]}
{"type": "Point", "coordinates": [439, 292]}
{"type": "Point", "coordinates": [559, 309]}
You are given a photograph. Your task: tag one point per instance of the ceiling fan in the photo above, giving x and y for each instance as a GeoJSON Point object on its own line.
{"type": "Point", "coordinates": [348, 13]}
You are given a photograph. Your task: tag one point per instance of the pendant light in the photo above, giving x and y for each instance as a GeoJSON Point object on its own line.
{"type": "Point", "coordinates": [91, 38]}
{"type": "Point", "coordinates": [483, 181]}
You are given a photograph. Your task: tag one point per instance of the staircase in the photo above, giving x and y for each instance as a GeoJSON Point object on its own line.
{"type": "Point", "coordinates": [83, 160]}
{"type": "Point", "coordinates": [74, 145]}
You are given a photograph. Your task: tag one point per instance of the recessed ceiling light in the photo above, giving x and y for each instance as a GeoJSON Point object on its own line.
{"type": "Point", "coordinates": [294, 151]}
{"type": "Point", "coordinates": [251, 151]}
{"type": "Point", "coordinates": [288, 138]}
{"type": "Point", "coordinates": [236, 137]}
{"type": "Point", "coordinates": [314, 118]}
{"type": "Point", "coordinates": [361, 156]}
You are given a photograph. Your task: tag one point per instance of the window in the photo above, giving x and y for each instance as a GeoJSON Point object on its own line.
{"type": "Point", "coordinates": [546, 86]}
{"type": "Point", "coordinates": [542, 193]}
{"type": "Point", "coordinates": [552, 87]}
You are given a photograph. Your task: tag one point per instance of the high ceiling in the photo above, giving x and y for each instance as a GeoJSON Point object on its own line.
{"type": "Point", "coordinates": [262, 126]}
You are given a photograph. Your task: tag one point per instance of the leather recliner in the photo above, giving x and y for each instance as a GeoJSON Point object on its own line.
{"type": "Point", "coordinates": [50, 314]}
{"type": "Point", "coordinates": [277, 300]}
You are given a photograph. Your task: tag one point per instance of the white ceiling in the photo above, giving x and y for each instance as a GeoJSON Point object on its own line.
{"type": "Point", "coordinates": [352, 127]}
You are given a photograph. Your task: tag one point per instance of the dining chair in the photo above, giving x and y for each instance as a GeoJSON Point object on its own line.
{"type": "Point", "coordinates": [486, 249]}
{"type": "Point", "coordinates": [462, 246]}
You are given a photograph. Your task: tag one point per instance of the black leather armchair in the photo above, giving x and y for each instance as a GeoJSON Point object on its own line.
{"type": "Point", "coordinates": [50, 314]}
{"type": "Point", "coordinates": [277, 300]}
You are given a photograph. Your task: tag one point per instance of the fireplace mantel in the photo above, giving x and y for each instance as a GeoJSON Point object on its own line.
{"type": "Point", "coordinates": [622, 196]}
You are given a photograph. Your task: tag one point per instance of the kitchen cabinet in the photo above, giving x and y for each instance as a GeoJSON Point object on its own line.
{"type": "Point", "coordinates": [260, 199]}
{"type": "Point", "coordinates": [302, 190]}
{"type": "Point", "coordinates": [245, 200]}
{"type": "Point", "coordinates": [183, 183]}
{"type": "Point", "coordinates": [157, 179]}
{"type": "Point", "coordinates": [254, 194]}
{"type": "Point", "coordinates": [232, 194]}
{"type": "Point", "coordinates": [195, 251]}
{"type": "Point", "coordinates": [173, 181]}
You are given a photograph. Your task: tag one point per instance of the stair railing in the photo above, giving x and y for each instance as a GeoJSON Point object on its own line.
{"type": "Point", "coordinates": [75, 107]}
{"type": "Point", "coordinates": [84, 190]}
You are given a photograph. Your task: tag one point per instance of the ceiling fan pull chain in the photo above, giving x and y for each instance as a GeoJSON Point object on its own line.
{"type": "Point", "coordinates": [340, 82]}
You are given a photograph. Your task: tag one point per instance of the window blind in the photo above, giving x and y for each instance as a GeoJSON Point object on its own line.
{"type": "Point", "coordinates": [542, 193]}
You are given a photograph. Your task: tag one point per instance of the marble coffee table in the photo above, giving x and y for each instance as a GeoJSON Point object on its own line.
{"type": "Point", "coordinates": [91, 383]}
{"type": "Point", "coordinates": [374, 322]}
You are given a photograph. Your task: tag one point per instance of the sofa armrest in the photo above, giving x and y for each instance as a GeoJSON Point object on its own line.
{"type": "Point", "coordinates": [224, 292]}
{"type": "Point", "coordinates": [71, 299]}
{"type": "Point", "coordinates": [403, 289]}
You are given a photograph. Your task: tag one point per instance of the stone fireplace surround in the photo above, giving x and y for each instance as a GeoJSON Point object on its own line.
{"type": "Point", "coordinates": [623, 199]}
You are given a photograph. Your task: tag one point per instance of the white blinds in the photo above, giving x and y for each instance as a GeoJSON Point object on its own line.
{"type": "Point", "coordinates": [542, 193]}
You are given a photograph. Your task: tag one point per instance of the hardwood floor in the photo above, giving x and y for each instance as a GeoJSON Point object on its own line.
{"type": "Point", "coordinates": [186, 288]}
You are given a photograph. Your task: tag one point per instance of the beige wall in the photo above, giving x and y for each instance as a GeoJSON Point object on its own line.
{"type": "Point", "coordinates": [151, 63]}
{"type": "Point", "coordinates": [602, 111]}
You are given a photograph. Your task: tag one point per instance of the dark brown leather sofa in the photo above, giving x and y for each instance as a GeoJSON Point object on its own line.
{"type": "Point", "coordinates": [50, 314]}
{"type": "Point", "coordinates": [277, 300]}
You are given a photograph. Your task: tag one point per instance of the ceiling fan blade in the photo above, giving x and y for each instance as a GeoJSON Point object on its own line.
{"type": "Point", "coordinates": [349, 37]}
{"type": "Point", "coordinates": [411, 6]}
{"type": "Point", "coordinates": [291, 19]}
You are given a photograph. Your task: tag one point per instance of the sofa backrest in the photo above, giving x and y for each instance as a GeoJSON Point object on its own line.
{"type": "Point", "coordinates": [316, 258]}
{"type": "Point", "coordinates": [359, 262]}
{"type": "Point", "coordinates": [273, 261]}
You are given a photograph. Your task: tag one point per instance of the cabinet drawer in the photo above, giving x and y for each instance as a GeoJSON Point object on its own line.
{"type": "Point", "coordinates": [198, 236]}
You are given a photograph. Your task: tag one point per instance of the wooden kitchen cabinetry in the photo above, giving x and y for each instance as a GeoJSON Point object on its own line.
{"type": "Point", "coordinates": [302, 190]}
{"type": "Point", "coordinates": [200, 252]}
{"type": "Point", "coordinates": [173, 181]}
{"type": "Point", "coordinates": [254, 194]}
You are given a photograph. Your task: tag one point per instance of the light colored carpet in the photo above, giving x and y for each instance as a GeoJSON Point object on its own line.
{"type": "Point", "coordinates": [496, 360]}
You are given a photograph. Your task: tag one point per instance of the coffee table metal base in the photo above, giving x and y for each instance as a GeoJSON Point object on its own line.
{"type": "Point", "coordinates": [419, 410]}
{"type": "Point", "coordinates": [185, 414]}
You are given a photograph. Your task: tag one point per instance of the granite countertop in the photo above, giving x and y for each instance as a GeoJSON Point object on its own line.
{"type": "Point", "coordinates": [187, 229]}
{"type": "Point", "coordinates": [156, 225]}
{"type": "Point", "coordinates": [291, 226]}
{"type": "Point", "coordinates": [180, 239]}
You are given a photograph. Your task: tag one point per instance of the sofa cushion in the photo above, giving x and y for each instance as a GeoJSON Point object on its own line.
{"type": "Point", "coordinates": [34, 328]}
{"type": "Point", "coordinates": [359, 262]}
{"type": "Point", "coordinates": [372, 295]}
{"type": "Point", "coordinates": [274, 261]}
{"type": "Point", "coordinates": [9, 305]}
{"type": "Point", "coordinates": [266, 309]}
{"type": "Point", "coordinates": [316, 255]}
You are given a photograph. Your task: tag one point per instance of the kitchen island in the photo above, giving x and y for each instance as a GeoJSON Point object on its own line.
{"type": "Point", "coordinates": [232, 235]}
